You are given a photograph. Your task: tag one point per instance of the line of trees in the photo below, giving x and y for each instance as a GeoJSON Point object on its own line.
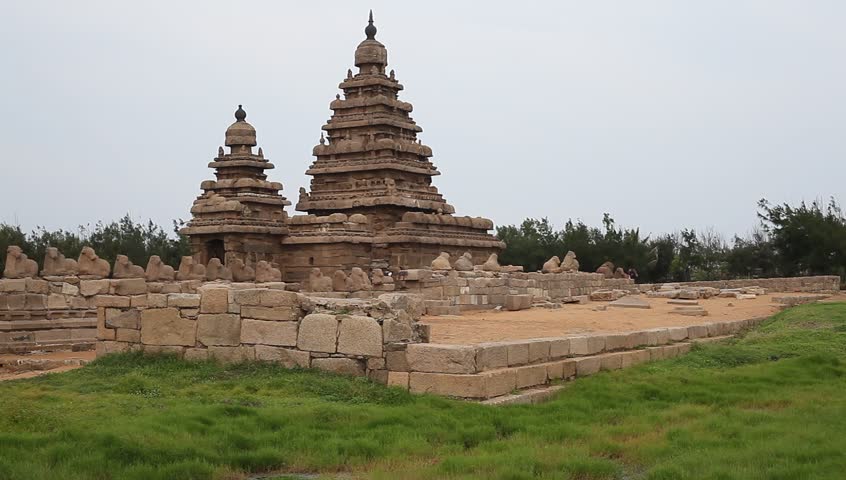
{"type": "Point", "coordinates": [808, 239]}
{"type": "Point", "coordinates": [136, 240]}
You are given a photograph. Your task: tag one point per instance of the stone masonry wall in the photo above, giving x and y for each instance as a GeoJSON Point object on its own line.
{"type": "Point", "coordinates": [816, 284]}
{"type": "Point", "coordinates": [233, 322]}
{"type": "Point", "coordinates": [55, 313]}
{"type": "Point", "coordinates": [481, 289]}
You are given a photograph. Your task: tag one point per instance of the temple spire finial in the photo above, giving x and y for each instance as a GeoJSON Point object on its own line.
{"type": "Point", "coordinates": [240, 114]}
{"type": "Point", "coordinates": [370, 30]}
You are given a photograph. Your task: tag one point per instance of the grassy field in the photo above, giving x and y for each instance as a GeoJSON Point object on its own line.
{"type": "Point", "coordinates": [769, 405]}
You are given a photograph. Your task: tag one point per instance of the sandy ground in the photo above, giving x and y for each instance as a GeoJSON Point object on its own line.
{"type": "Point", "coordinates": [573, 319]}
{"type": "Point", "coordinates": [35, 357]}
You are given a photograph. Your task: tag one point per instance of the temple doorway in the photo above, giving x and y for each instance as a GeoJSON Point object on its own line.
{"type": "Point", "coordinates": [215, 249]}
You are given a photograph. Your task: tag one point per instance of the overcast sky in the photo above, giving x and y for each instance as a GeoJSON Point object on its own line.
{"type": "Point", "coordinates": [666, 114]}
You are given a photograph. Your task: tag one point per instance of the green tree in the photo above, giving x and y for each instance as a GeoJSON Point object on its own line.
{"type": "Point", "coordinates": [808, 239]}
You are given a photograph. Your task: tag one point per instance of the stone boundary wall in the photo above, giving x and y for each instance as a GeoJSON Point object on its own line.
{"type": "Point", "coordinates": [236, 322]}
{"type": "Point", "coordinates": [488, 370]}
{"type": "Point", "coordinates": [56, 313]}
{"type": "Point", "coordinates": [444, 291]}
{"type": "Point", "coordinates": [816, 284]}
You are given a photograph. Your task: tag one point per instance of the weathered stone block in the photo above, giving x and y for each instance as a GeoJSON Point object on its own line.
{"type": "Point", "coordinates": [587, 366]}
{"type": "Point", "coordinates": [219, 329]}
{"type": "Point", "coordinates": [37, 285]}
{"type": "Point", "coordinates": [183, 300]}
{"type": "Point", "coordinates": [500, 382]}
{"type": "Point", "coordinates": [611, 361]}
{"type": "Point", "coordinates": [13, 285]}
{"type": "Point", "coordinates": [657, 336]}
{"type": "Point", "coordinates": [677, 334]}
{"type": "Point", "coordinates": [538, 351]}
{"type": "Point", "coordinates": [289, 358]}
{"type": "Point", "coordinates": [156, 300]}
{"type": "Point", "coordinates": [578, 346]}
{"type": "Point", "coordinates": [318, 333]}
{"type": "Point", "coordinates": [138, 301]}
{"type": "Point", "coordinates": [35, 301]}
{"type": "Point", "coordinates": [196, 354]}
{"type": "Point", "coordinates": [531, 375]}
{"type": "Point", "coordinates": [441, 358]}
{"type": "Point", "coordinates": [282, 314]}
{"type": "Point", "coordinates": [559, 348]}
{"type": "Point", "coordinates": [164, 326]}
{"type": "Point", "coordinates": [490, 356]}
{"type": "Point", "coordinates": [214, 299]}
{"type": "Point", "coordinates": [109, 347]}
{"type": "Point", "coordinates": [164, 350]}
{"type": "Point", "coordinates": [16, 301]}
{"type": "Point", "coordinates": [343, 366]}
{"type": "Point", "coordinates": [616, 341]}
{"type": "Point", "coordinates": [360, 336]}
{"type": "Point", "coordinates": [117, 318]}
{"type": "Point", "coordinates": [671, 351]}
{"type": "Point", "coordinates": [268, 332]}
{"type": "Point", "coordinates": [58, 334]}
{"type": "Point", "coordinates": [464, 386]}
{"type": "Point", "coordinates": [68, 289]}
{"type": "Point", "coordinates": [634, 357]}
{"type": "Point", "coordinates": [398, 379]}
{"type": "Point", "coordinates": [129, 286]}
{"type": "Point", "coordinates": [375, 363]}
{"type": "Point", "coordinates": [402, 302]}
{"type": "Point", "coordinates": [127, 335]}
{"type": "Point", "coordinates": [395, 361]}
{"type": "Point", "coordinates": [396, 332]}
{"type": "Point", "coordinates": [697, 331]}
{"type": "Point", "coordinates": [518, 302]}
{"type": "Point", "coordinates": [111, 301]}
{"type": "Point", "coordinates": [56, 301]}
{"type": "Point", "coordinates": [518, 353]}
{"type": "Point", "coordinates": [561, 369]}
{"type": "Point", "coordinates": [637, 339]}
{"type": "Point", "coordinates": [238, 354]}
{"type": "Point", "coordinates": [249, 296]}
{"type": "Point", "coordinates": [278, 298]}
{"type": "Point", "coordinates": [89, 288]}
{"type": "Point", "coordinates": [595, 344]}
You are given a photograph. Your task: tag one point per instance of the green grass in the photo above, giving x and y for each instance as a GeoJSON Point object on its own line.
{"type": "Point", "coordinates": [769, 405]}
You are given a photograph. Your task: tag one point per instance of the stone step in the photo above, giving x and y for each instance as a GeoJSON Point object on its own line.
{"type": "Point", "coordinates": [525, 397]}
{"type": "Point", "coordinates": [443, 310]}
{"type": "Point", "coordinates": [682, 302]}
{"type": "Point", "coordinates": [505, 381]}
{"type": "Point", "coordinates": [437, 303]}
{"type": "Point", "coordinates": [721, 338]}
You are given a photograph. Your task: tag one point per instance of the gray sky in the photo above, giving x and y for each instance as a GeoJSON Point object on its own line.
{"type": "Point", "coordinates": [667, 114]}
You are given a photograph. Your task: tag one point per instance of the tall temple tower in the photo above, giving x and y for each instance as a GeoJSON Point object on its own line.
{"type": "Point", "coordinates": [371, 166]}
{"type": "Point", "coordinates": [240, 214]}
{"type": "Point", "coordinates": [373, 162]}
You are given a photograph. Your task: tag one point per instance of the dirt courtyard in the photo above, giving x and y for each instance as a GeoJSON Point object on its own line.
{"type": "Point", "coordinates": [35, 364]}
{"type": "Point", "coordinates": [575, 319]}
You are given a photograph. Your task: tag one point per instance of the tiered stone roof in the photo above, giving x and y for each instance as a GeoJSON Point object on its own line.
{"type": "Point", "coordinates": [372, 157]}
{"type": "Point", "coordinates": [241, 200]}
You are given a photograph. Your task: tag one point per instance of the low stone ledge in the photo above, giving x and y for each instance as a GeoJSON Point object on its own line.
{"type": "Point", "coordinates": [441, 358]}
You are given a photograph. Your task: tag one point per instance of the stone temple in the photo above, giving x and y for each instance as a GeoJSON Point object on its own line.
{"type": "Point", "coordinates": [371, 202]}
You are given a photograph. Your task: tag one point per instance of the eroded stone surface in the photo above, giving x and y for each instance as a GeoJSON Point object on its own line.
{"type": "Point", "coordinates": [164, 326]}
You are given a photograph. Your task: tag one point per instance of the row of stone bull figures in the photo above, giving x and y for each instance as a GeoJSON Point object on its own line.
{"type": "Point", "coordinates": [89, 265]}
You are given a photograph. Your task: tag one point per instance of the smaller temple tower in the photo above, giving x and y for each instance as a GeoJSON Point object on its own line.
{"type": "Point", "coordinates": [241, 214]}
